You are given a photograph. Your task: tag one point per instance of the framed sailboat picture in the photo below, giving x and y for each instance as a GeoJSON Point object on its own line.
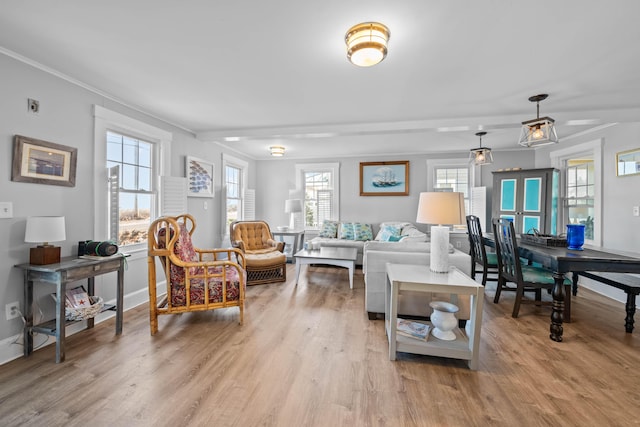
{"type": "Point", "coordinates": [384, 178]}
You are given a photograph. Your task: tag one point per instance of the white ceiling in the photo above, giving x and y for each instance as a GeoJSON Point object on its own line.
{"type": "Point", "coordinates": [275, 72]}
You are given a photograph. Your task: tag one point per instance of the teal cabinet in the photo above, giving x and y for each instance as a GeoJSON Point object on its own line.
{"type": "Point", "coordinates": [529, 197]}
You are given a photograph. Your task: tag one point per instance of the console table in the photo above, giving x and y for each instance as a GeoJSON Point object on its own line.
{"type": "Point", "coordinates": [298, 238]}
{"type": "Point", "coordinates": [69, 269]}
{"type": "Point", "coordinates": [421, 279]}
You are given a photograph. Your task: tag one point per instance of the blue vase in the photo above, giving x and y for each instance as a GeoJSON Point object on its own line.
{"type": "Point", "coordinates": [575, 236]}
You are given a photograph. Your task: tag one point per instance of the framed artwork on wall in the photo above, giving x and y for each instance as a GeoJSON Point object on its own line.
{"type": "Point", "coordinates": [628, 162]}
{"type": "Point", "coordinates": [384, 178]}
{"type": "Point", "coordinates": [199, 177]}
{"type": "Point", "coordinates": [43, 162]}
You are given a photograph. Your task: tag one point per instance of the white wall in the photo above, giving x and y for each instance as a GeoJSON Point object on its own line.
{"type": "Point", "coordinates": [65, 118]}
{"type": "Point", "coordinates": [276, 177]}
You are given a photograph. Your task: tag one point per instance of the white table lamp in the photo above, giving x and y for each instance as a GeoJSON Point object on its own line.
{"type": "Point", "coordinates": [292, 206]}
{"type": "Point", "coordinates": [44, 229]}
{"type": "Point", "coordinates": [440, 208]}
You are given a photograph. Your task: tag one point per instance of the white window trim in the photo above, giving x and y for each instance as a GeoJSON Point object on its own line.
{"type": "Point", "coordinates": [558, 159]}
{"type": "Point", "coordinates": [432, 164]}
{"type": "Point", "coordinates": [334, 168]}
{"type": "Point", "coordinates": [228, 160]}
{"type": "Point", "coordinates": [105, 120]}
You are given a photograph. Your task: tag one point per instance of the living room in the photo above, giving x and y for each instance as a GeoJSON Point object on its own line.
{"type": "Point", "coordinates": [67, 116]}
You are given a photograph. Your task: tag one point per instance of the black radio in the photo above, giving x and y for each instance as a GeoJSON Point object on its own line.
{"type": "Point", "coordinates": [104, 248]}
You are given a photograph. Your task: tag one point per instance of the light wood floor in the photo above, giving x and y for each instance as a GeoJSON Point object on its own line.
{"type": "Point", "coordinates": [308, 356]}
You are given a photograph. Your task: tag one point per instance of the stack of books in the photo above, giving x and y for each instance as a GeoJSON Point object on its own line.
{"type": "Point", "coordinates": [411, 329]}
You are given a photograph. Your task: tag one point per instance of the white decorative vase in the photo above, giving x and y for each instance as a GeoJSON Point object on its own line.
{"type": "Point", "coordinates": [444, 320]}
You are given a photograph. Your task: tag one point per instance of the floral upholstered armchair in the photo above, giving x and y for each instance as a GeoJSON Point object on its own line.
{"type": "Point", "coordinates": [187, 269]}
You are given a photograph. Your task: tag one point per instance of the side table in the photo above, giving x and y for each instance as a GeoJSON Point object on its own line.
{"type": "Point", "coordinates": [69, 269]}
{"type": "Point", "coordinates": [421, 279]}
{"type": "Point", "coordinates": [298, 237]}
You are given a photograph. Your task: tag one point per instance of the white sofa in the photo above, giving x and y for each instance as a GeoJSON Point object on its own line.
{"type": "Point", "coordinates": [408, 233]}
{"type": "Point", "coordinates": [376, 255]}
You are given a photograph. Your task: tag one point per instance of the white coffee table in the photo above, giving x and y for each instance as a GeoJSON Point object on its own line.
{"type": "Point", "coordinates": [340, 257]}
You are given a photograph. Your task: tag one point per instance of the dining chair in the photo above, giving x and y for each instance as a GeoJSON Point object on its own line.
{"type": "Point", "coordinates": [479, 254]}
{"type": "Point", "coordinates": [527, 278]}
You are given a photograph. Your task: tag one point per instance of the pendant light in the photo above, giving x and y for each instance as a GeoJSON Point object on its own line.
{"type": "Point", "coordinates": [539, 131]}
{"type": "Point", "coordinates": [482, 155]}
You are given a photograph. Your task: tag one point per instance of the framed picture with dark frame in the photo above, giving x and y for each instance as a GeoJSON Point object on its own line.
{"type": "Point", "coordinates": [43, 162]}
{"type": "Point", "coordinates": [384, 178]}
{"type": "Point", "coordinates": [199, 177]}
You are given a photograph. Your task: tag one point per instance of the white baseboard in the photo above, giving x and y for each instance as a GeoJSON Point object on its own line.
{"type": "Point", "coordinates": [11, 348]}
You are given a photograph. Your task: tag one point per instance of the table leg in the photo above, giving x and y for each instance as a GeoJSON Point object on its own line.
{"type": "Point", "coordinates": [574, 289]}
{"type": "Point", "coordinates": [351, 268]}
{"type": "Point", "coordinates": [60, 321]}
{"type": "Point", "coordinates": [631, 311]}
{"type": "Point", "coordinates": [120, 299]}
{"type": "Point", "coordinates": [557, 312]}
{"type": "Point", "coordinates": [28, 314]}
{"type": "Point", "coordinates": [91, 290]}
{"type": "Point", "coordinates": [392, 309]}
{"type": "Point", "coordinates": [298, 265]}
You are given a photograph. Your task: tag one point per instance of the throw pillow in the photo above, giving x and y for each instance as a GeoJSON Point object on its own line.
{"type": "Point", "coordinates": [398, 224]}
{"type": "Point", "coordinates": [388, 232]}
{"type": "Point", "coordinates": [362, 232]}
{"type": "Point", "coordinates": [346, 231]}
{"type": "Point", "coordinates": [328, 229]}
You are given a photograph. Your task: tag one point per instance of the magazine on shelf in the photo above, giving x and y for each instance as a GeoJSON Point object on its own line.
{"type": "Point", "coordinates": [75, 298]}
{"type": "Point", "coordinates": [412, 329]}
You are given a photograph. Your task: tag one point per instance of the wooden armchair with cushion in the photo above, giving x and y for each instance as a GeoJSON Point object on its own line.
{"type": "Point", "coordinates": [187, 269]}
{"type": "Point", "coordinates": [265, 260]}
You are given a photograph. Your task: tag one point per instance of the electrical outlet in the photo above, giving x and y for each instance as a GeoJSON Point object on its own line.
{"type": "Point", "coordinates": [636, 211]}
{"type": "Point", "coordinates": [6, 210]}
{"type": "Point", "coordinates": [13, 310]}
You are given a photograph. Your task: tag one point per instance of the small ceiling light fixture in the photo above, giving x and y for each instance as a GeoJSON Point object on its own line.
{"type": "Point", "coordinates": [482, 155]}
{"type": "Point", "coordinates": [277, 150]}
{"type": "Point", "coordinates": [367, 43]}
{"type": "Point", "coordinates": [539, 131]}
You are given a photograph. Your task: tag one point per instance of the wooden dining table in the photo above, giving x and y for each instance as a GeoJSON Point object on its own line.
{"type": "Point", "coordinates": [561, 260]}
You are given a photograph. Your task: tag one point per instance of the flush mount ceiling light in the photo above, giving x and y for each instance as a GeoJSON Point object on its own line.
{"type": "Point", "coordinates": [367, 43]}
{"type": "Point", "coordinates": [539, 131]}
{"type": "Point", "coordinates": [481, 155]}
{"type": "Point", "coordinates": [277, 150]}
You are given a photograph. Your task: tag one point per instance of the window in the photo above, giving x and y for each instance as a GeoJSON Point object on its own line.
{"type": "Point", "coordinates": [136, 195]}
{"type": "Point", "coordinates": [580, 188]}
{"type": "Point", "coordinates": [580, 194]}
{"type": "Point", "coordinates": [451, 175]}
{"type": "Point", "coordinates": [235, 191]}
{"type": "Point", "coordinates": [319, 184]}
{"type": "Point", "coordinates": [233, 180]}
{"type": "Point", "coordinates": [127, 201]}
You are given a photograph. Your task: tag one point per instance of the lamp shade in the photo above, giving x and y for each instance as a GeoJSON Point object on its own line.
{"type": "Point", "coordinates": [441, 208]}
{"type": "Point", "coordinates": [292, 205]}
{"type": "Point", "coordinates": [45, 229]}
